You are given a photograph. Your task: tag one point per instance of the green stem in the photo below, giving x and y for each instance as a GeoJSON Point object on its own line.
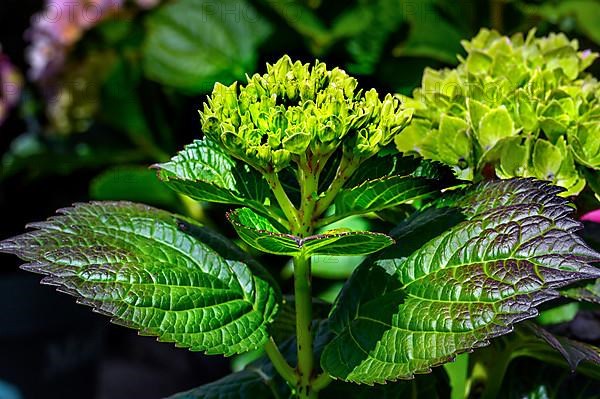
{"type": "Point", "coordinates": [487, 369]}
{"type": "Point", "coordinates": [280, 364]}
{"type": "Point", "coordinates": [497, 14]}
{"type": "Point", "coordinates": [303, 299]}
{"type": "Point", "coordinates": [321, 382]}
{"type": "Point", "coordinates": [348, 165]}
{"type": "Point", "coordinates": [283, 200]}
{"type": "Point", "coordinates": [309, 182]}
{"type": "Point", "coordinates": [302, 222]}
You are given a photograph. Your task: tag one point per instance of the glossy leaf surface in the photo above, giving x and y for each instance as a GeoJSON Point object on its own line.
{"type": "Point", "coordinates": [387, 181]}
{"type": "Point", "coordinates": [204, 171]}
{"type": "Point", "coordinates": [150, 270]}
{"type": "Point", "coordinates": [402, 313]}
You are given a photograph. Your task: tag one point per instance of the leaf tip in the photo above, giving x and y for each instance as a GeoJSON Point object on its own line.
{"type": "Point", "coordinates": [9, 246]}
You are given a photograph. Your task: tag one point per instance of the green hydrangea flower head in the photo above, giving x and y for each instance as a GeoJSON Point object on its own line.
{"type": "Point", "coordinates": [510, 100]}
{"type": "Point", "coordinates": [295, 111]}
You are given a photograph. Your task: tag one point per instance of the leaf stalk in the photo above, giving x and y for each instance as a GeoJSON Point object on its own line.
{"type": "Point", "coordinates": [348, 165]}
{"type": "Point", "coordinates": [280, 364]}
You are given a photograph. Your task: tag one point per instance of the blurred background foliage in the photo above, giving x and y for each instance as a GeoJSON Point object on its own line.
{"type": "Point", "coordinates": [94, 91]}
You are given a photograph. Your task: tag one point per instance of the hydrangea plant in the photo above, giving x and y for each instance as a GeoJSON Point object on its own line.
{"type": "Point", "coordinates": [523, 105]}
{"type": "Point", "coordinates": [294, 150]}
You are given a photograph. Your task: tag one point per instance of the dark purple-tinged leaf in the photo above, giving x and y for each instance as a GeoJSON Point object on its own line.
{"type": "Point", "coordinates": [153, 271]}
{"type": "Point", "coordinates": [401, 315]}
{"type": "Point", "coordinates": [587, 293]}
{"type": "Point", "coordinates": [535, 341]}
{"type": "Point", "coordinates": [543, 377]}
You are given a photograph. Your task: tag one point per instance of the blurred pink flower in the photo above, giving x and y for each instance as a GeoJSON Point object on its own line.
{"type": "Point", "coordinates": [60, 25]}
{"type": "Point", "coordinates": [10, 87]}
{"type": "Point", "coordinates": [593, 216]}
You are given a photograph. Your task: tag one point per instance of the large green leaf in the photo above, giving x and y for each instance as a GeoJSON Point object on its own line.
{"type": "Point", "coordinates": [258, 232]}
{"type": "Point", "coordinates": [149, 270]}
{"type": "Point", "coordinates": [193, 43]}
{"type": "Point", "coordinates": [204, 172]}
{"type": "Point", "coordinates": [382, 166]}
{"type": "Point", "coordinates": [401, 314]}
{"type": "Point", "coordinates": [386, 165]}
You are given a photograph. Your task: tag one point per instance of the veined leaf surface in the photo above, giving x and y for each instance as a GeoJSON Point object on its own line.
{"type": "Point", "coordinates": [148, 270]}
{"type": "Point", "coordinates": [378, 194]}
{"type": "Point", "coordinates": [401, 315]}
{"type": "Point", "coordinates": [388, 181]}
{"type": "Point", "coordinates": [203, 171]}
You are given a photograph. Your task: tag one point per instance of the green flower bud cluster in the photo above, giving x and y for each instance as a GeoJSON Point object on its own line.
{"type": "Point", "coordinates": [524, 105]}
{"type": "Point", "coordinates": [295, 111]}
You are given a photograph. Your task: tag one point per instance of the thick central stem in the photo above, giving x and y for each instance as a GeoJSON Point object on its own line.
{"type": "Point", "coordinates": [302, 223]}
{"type": "Point", "coordinates": [308, 180]}
{"type": "Point", "coordinates": [303, 299]}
